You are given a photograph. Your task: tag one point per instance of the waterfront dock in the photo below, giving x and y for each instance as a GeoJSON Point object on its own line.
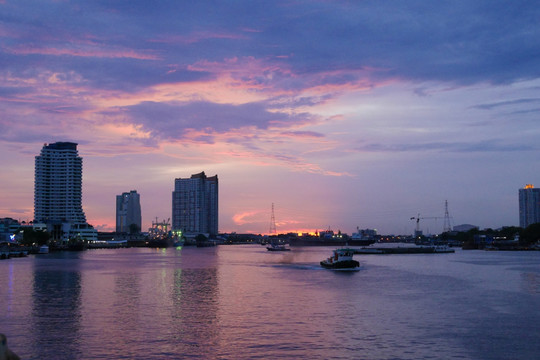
{"type": "Point", "coordinates": [9, 251]}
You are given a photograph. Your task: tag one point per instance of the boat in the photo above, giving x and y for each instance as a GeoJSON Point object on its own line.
{"type": "Point", "coordinates": [369, 250]}
{"type": "Point", "coordinates": [178, 242]}
{"type": "Point", "coordinates": [341, 259]}
{"type": "Point", "coordinates": [405, 249]}
{"type": "Point", "coordinates": [277, 247]}
{"type": "Point", "coordinates": [4, 253]}
{"type": "Point", "coordinates": [364, 237]}
{"type": "Point", "coordinates": [159, 235]}
{"type": "Point", "coordinates": [43, 249]}
{"type": "Point", "coordinates": [442, 249]}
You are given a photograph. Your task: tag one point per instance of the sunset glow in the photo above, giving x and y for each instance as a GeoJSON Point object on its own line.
{"type": "Point", "coordinates": [342, 114]}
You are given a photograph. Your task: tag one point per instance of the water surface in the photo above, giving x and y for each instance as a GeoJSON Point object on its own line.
{"type": "Point", "coordinates": [243, 302]}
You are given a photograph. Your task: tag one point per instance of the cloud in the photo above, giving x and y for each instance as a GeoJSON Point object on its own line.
{"type": "Point", "coordinates": [18, 211]}
{"type": "Point", "coordinates": [465, 147]}
{"type": "Point", "coordinates": [507, 103]}
{"type": "Point", "coordinates": [302, 134]}
{"type": "Point", "coordinates": [246, 217]}
{"type": "Point", "coordinates": [172, 121]}
{"type": "Point", "coordinates": [196, 37]}
{"type": "Point", "coordinates": [528, 111]}
{"type": "Point", "coordinates": [302, 44]}
{"type": "Point", "coordinates": [96, 52]}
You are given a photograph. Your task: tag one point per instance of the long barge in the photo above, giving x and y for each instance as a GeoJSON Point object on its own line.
{"type": "Point", "coordinates": [404, 250]}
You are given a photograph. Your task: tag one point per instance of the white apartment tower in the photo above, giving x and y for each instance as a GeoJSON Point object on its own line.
{"type": "Point", "coordinates": [58, 191]}
{"type": "Point", "coordinates": [195, 204]}
{"type": "Point", "coordinates": [128, 211]}
{"type": "Point", "coordinates": [529, 205]}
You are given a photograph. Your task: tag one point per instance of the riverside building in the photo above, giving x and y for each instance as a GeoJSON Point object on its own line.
{"type": "Point", "coordinates": [58, 192]}
{"type": "Point", "coordinates": [529, 205]}
{"type": "Point", "coordinates": [195, 204]}
{"type": "Point", "coordinates": [128, 212]}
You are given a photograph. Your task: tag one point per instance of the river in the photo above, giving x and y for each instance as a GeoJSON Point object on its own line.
{"type": "Point", "coordinates": [243, 302]}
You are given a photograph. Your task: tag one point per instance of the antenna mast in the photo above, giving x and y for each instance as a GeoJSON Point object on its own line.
{"type": "Point", "coordinates": [273, 230]}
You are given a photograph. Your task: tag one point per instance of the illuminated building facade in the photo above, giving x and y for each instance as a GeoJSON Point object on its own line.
{"type": "Point", "coordinates": [529, 206]}
{"type": "Point", "coordinates": [195, 204]}
{"type": "Point", "coordinates": [128, 211]}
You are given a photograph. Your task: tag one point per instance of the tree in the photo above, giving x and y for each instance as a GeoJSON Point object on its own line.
{"type": "Point", "coordinates": [201, 238]}
{"type": "Point", "coordinates": [134, 229]}
{"type": "Point", "coordinates": [531, 234]}
{"type": "Point", "coordinates": [31, 237]}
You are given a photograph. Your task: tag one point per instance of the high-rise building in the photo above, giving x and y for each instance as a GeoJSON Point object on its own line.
{"type": "Point", "coordinates": [128, 211]}
{"type": "Point", "coordinates": [195, 204]}
{"type": "Point", "coordinates": [529, 206]}
{"type": "Point", "coordinates": [58, 192]}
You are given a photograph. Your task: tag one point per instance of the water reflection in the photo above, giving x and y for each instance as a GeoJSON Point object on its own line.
{"type": "Point", "coordinates": [10, 288]}
{"type": "Point", "coordinates": [119, 316]}
{"type": "Point", "coordinates": [243, 303]}
{"type": "Point", "coordinates": [531, 282]}
{"type": "Point", "coordinates": [195, 306]}
{"type": "Point", "coordinates": [56, 311]}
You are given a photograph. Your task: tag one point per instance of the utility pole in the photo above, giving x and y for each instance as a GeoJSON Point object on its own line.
{"type": "Point", "coordinates": [446, 227]}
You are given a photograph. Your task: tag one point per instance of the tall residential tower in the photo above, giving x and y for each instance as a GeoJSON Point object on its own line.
{"type": "Point", "coordinates": [195, 204]}
{"type": "Point", "coordinates": [58, 192]}
{"type": "Point", "coordinates": [128, 211]}
{"type": "Point", "coordinates": [529, 206]}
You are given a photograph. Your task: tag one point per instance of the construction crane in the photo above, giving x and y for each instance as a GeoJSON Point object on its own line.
{"type": "Point", "coordinates": [446, 227]}
{"type": "Point", "coordinates": [417, 218]}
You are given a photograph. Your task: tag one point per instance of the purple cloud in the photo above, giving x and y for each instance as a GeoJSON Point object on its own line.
{"type": "Point", "coordinates": [127, 46]}
{"type": "Point", "coordinates": [172, 120]}
{"type": "Point", "coordinates": [465, 147]}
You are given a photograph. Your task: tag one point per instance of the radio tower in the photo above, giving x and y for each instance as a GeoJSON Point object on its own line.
{"type": "Point", "coordinates": [446, 227]}
{"type": "Point", "coordinates": [273, 230]}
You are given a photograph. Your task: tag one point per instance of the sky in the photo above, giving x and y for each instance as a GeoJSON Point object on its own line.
{"type": "Point", "coordinates": [342, 114]}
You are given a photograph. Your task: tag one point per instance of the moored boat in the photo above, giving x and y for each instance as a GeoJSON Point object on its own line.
{"type": "Point", "coordinates": [159, 235]}
{"type": "Point", "coordinates": [341, 259]}
{"type": "Point", "coordinates": [442, 249]}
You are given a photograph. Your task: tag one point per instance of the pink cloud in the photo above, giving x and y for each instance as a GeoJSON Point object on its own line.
{"type": "Point", "coordinates": [274, 75]}
{"type": "Point", "coordinates": [247, 72]}
{"type": "Point", "coordinates": [245, 217]}
{"type": "Point", "coordinates": [196, 37]}
{"type": "Point", "coordinates": [302, 134]}
{"type": "Point", "coordinates": [83, 52]}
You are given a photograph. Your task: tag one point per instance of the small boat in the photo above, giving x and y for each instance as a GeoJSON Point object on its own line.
{"type": "Point", "coordinates": [43, 249]}
{"type": "Point", "coordinates": [277, 247]}
{"type": "Point", "coordinates": [178, 242]}
{"type": "Point", "coordinates": [341, 259]}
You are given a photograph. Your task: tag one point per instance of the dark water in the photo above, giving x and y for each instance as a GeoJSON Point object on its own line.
{"type": "Point", "coordinates": [243, 302]}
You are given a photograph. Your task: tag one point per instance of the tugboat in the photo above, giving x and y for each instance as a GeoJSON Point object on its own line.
{"type": "Point", "coordinates": [341, 259]}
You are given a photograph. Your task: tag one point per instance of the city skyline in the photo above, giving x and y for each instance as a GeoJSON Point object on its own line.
{"type": "Point", "coordinates": [343, 114]}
